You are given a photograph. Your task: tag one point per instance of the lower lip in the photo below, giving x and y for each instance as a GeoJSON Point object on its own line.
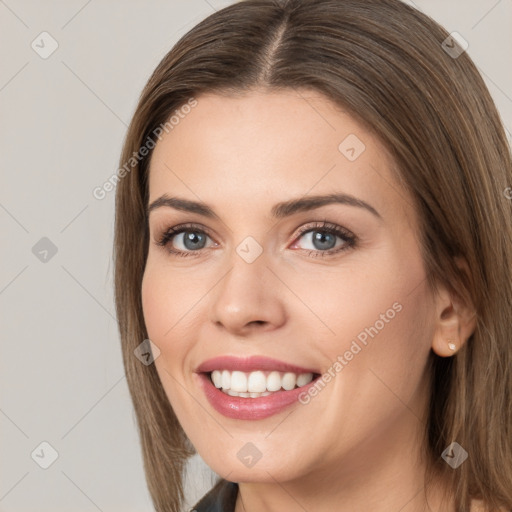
{"type": "Point", "coordinates": [241, 408]}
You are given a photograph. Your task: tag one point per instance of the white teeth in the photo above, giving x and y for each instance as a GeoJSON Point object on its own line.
{"type": "Point", "coordinates": [226, 379]}
{"type": "Point", "coordinates": [238, 382]}
{"type": "Point", "coordinates": [256, 395]}
{"type": "Point", "coordinates": [257, 383]}
{"type": "Point", "coordinates": [304, 378]}
{"type": "Point", "coordinates": [289, 380]}
{"type": "Point", "coordinates": [217, 379]}
{"type": "Point", "coordinates": [274, 381]}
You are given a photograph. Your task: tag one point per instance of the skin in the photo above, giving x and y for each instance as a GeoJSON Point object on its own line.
{"type": "Point", "coordinates": [362, 434]}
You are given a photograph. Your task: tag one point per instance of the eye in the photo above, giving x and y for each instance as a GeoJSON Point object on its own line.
{"type": "Point", "coordinates": [189, 239]}
{"type": "Point", "coordinates": [322, 237]}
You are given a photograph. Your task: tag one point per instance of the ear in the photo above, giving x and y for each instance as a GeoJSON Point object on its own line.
{"type": "Point", "coordinates": [455, 321]}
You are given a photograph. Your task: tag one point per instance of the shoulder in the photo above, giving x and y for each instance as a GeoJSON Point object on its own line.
{"type": "Point", "coordinates": [221, 498]}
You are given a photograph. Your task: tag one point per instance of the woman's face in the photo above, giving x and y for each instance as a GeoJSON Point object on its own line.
{"type": "Point", "coordinates": [263, 294]}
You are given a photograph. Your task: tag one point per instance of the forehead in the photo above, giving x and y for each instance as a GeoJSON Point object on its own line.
{"type": "Point", "coordinates": [247, 148]}
{"type": "Point", "coordinates": [287, 122]}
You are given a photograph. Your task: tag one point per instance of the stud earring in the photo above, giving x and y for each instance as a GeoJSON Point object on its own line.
{"type": "Point", "coordinates": [451, 345]}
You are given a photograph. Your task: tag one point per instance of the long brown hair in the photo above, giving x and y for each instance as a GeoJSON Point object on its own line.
{"type": "Point", "coordinates": [386, 64]}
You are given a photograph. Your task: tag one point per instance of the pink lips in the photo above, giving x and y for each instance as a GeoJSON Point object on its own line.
{"type": "Point", "coordinates": [249, 364]}
{"type": "Point", "coordinates": [249, 408]}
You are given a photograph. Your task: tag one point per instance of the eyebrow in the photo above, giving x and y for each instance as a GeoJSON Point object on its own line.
{"type": "Point", "coordinates": [279, 211]}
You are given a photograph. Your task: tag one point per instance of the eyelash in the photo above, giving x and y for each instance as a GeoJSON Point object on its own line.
{"type": "Point", "coordinates": [348, 237]}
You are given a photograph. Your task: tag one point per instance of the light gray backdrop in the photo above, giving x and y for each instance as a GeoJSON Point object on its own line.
{"type": "Point", "coordinates": [64, 112]}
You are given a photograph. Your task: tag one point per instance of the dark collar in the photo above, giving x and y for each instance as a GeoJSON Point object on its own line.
{"type": "Point", "coordinates": [221, 498]}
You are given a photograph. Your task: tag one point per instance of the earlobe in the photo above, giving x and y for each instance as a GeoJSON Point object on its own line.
{"type": "Point", "coordinates": [445, 347]}
{"type": "Point", "coordinates": [455, 323]}
{"type": "Point", "coordinates": [447, 341]}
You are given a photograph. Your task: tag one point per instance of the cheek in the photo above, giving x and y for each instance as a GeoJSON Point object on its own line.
{"type": "Point", "coordinates": [357, 298]}
{"type": "Point", "coordinates": [377, 314]}
{"type": "Point", "coordinates": [165, 302]}
{"type": "Point", "coordinates": [394, 332]}
{"type": "Point", "coordinates": [168, 299]}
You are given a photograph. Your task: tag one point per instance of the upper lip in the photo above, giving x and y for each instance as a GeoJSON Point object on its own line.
{"type": "Point", "coordinates": [249, 364]}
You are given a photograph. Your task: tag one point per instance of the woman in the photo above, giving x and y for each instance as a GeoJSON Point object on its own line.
{"type": "Point", "coordinates": [314, 232]}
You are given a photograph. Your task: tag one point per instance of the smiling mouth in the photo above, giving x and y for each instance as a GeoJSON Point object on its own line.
{"type": "Point", "coordinates": [258, 383]}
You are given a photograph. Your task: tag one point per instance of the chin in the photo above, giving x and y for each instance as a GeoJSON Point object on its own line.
{"type": "Point", "coordinates": [244, 462]}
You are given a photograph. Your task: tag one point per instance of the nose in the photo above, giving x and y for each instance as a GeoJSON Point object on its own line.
{"type": "Point", "coordinates": [248, 298]}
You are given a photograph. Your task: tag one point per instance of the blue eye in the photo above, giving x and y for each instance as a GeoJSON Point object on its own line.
{"type": "Point", "coordinates": [323, 238]}
{"type": "Point", "coordinates": [193, 239]}
{"type": "Point", "coordinates": [322, 235]}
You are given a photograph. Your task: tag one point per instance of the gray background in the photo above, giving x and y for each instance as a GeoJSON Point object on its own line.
{"type": "Point", "coordinates": [63, 120]}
